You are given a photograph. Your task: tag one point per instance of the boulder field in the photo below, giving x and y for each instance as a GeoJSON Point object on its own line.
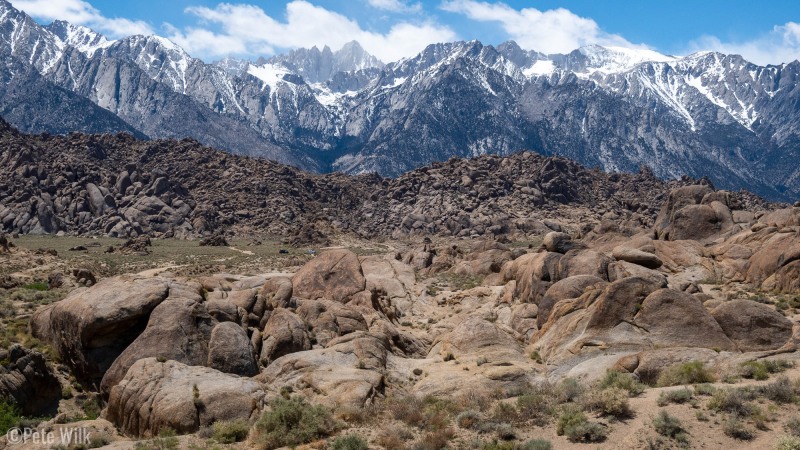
{"type": "Point", "coordinates": [345, 330]}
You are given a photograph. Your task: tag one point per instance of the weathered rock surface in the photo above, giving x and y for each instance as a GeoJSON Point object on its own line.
{"type": "Point", "coordinates": [27, 382]}
{"type": "Point", "coordinates": [333, 275]}
{"type": "Point", "coordinates": [636, 256]}
{"type": "Point", "coordinates": [179, 329]}
{"type": "Point", "coordinates": [154, 396]}
{"type": "Point", "coordinates": [753, 326]}
{"type": "Point", "coordinates": [284, 333]}
{"type": "Point", "coordinates": [229, 350]}
{"type": "Point", "coordinates": [92, 327]}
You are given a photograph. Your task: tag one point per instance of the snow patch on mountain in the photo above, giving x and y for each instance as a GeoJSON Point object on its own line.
{"type": "Point", "coordinates": [540, 68]}
{"type": "Point", "coordinates": [619, 59]}
{"type": "Point", "coordinates": [270, 74]}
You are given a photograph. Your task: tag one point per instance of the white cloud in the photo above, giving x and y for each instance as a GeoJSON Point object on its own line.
{"type": "Point", "coordinates": [780, 45]}
{"type": "Point", "coordinates": [247, 30]}
{"type": "Point", "coordinates": [553, 31]}
{"type": "Point", "coordinates": [396, 5]}
{"type": "Point", "coordinates": [80, 12]}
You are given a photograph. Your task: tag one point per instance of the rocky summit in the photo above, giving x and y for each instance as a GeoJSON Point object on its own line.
{"type": "Point", "coordinates": [162, 294]}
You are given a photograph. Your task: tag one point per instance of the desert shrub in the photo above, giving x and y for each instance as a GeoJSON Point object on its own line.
{"type": "Point", "coordinates": [504, 412]}
{"type": "Point", "coordinates": [537, 444]}
{"type": "Point", "coordinates": [777, 365]}
{"type": "Point", "coordinates": [408, 410]}
{"type": "Point", "coordinates": [733, 401]}
{"type": "Point", "coordinates": [358, 414]}
{"type": "Point", "coordinates": [394, 438]}
{"type": "Point", "coordinates": [626, 381]}
{"type": "Point", "coordinates": [229, 432]}
{"type": "Point", "coordinates": [9, 416]}
{"type": "Point", "coordinates": [7, 308]}
{"type": "Point", "coordinates": [37, 286]}
{"type": "Point", "coordinates": [98, 440]}
{"type": "Point", "coordinates": [779, 391]}
{"type": "Point", "coordinates": [290, 422]}
{"type": "Point", "coordinates": [167, 440]}
{"type": "Point", "coordinates": [608, 402]}
{"type": "Point", "coordinates": [435, 440]}
{"type": "Point", "coordinates": [755, 370]}
{"type": "Point", "coordinates": [787, 443]}
{"type": "Point", "coordinates": [505, 431]}
{"type": "Point", "coordinates": [569, 390]}
{"type": "Point", "coordinates": [669, 426]}
{"type": "Point", "coordinates": [91, 409]}
{"type": "Point", "coordinates": [475, 399]}
{"type": "Point", "coordinates": [682, 395]}
{"type": "Point", "coordinates": [692, 372]}
{"type": "Point", "coordinates": [429, 413]}
{"type": "Point", "coordinates": [498, 445]}
{"type": "Point", "coordinates": [737, 429]}
{"type": "Point", "coordinates": [793, 426]}
{"type": "Point", "coordinates": [349, 442]}
{"type": "Point", "coordinates": [469, 419]}
{"type": "Point", "coordinates": [704, 389]}
{"type": "Point", "coordinates": [576, 427]}
{"type": "Point", "coordinates": [536, 408]}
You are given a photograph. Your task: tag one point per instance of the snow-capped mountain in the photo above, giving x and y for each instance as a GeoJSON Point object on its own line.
{"type": "Point", "coordinates": [706, 114]}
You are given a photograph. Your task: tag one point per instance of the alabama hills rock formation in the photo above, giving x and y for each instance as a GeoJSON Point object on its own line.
{"type": "Point", "coordinates": [119, 186]}
{"type": "Point", "coordinates": [347, 331]}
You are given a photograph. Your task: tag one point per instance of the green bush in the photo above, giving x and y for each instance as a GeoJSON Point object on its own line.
{"type": "Point", "coordinates": [291, 422]}
{"type": "Point", "coordinates": [669, 426]}
{"type": "Point", "coordinates": [38, 286]}
{"type": "Point", "coordinates": [91, 409]}
{"type": "Point", "coordinates": [682, 395]}
{"type": "Point", "coordinates": [574, 424]}
{"type": "Point", "coordinates": [692, 372]}
{"type": "Point", "coordinates": [349, 442]}
{"type": "Point", "coordinates": [737, 429]}
{"type": "Point", "coordinates": [229, 432]}
{"type": "Point", "coordinates": [787, 443]}
{"type": "Point", "coordinates": [9, 417]}
{"type": "Point", "coordinates": [537, 444]}
{"type": "Point", "coordinates": [626, 381]}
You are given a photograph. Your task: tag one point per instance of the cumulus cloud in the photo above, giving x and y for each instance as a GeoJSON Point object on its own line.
{"type": "Point", "coordinates": [80, 12]}
{"type": "Point", "coordinates": [779, 45]}
{"type": "Point", "coordinates": [396, 5]}
{"type": "Point", "coordinates": [247, 29]}
{"type": "Point", "coordinates": [553, 31]}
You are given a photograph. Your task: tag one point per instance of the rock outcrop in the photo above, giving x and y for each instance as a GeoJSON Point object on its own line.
{"type": "Point", "coordinates": [154, 396]}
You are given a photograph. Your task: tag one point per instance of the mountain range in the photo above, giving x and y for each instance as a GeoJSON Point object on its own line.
{"type": "Point", "coordinates": [706, 114]}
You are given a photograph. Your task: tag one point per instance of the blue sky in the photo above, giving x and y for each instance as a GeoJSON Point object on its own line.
{"type": "Point", "coordinates": [764, 32]}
